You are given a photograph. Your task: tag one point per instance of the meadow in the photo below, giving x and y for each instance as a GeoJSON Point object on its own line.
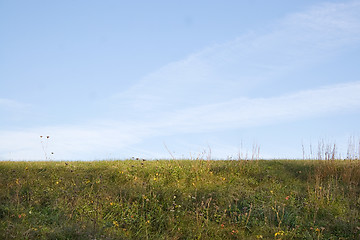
{"type": "Point", "coordinates": [180, 199]}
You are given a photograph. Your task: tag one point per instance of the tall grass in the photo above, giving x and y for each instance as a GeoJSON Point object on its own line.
{"type": "Point", "coordinates": [180, 199]}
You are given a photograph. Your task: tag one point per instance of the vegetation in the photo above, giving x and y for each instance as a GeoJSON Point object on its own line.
{"type": "Point", "coordinates": [180, 199]}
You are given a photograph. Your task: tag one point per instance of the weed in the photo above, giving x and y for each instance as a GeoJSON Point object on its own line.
{"type": "Point", "coordinates": [44, 140]}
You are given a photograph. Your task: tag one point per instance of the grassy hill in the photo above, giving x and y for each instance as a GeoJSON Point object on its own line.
{"type": "Point", "coordinates": [180, 199]}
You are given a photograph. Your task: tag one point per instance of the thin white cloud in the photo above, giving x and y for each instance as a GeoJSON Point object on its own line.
{"type": "Point", "coordinates": [245, 112]}
{"type": "Point", "coordinates": [12, 110]}
{"type": "Point", "coordinates": [12, 105]}
{"type": "Point", "coordinates": [97, 138]}
{"type": "Point", "coordinates": [81, 142]}
{"type": "Point", "coordinates": [238, 67]}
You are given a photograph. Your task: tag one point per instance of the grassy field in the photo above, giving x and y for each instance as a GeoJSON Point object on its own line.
{"type": "Point", "coordinates": [180, 199]}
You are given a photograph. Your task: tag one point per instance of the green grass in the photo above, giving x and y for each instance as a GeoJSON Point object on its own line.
{"type": "Point", "coordinates": [180, 199]}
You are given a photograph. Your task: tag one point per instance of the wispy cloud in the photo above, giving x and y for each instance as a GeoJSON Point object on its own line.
{"type": "Point", "coordinates": [12, 110]}
{"type": "Point", "coordinates": [239, 67]}
{"type": "Point", "coordinates": [11, 105]}
{"type": "Point", "coordinates": [77, 142]}
{"type": "Point", "coordinates": [245, 112]}
{"type": "Point", "coordinates": [98, 138]}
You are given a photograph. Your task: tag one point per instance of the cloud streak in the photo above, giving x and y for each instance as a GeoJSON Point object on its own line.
{"type": "Point", "coordinates": [12, 105]}
{"type": "Point", "coordinates": [247, 112]}
{"type": "Point", "coordinates": [96, 139]}
{"type": "Point", "coordinates": [240, 67]}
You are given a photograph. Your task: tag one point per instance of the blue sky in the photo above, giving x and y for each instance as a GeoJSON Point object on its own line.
{"type": "Point", "coordinates": [121, 79]}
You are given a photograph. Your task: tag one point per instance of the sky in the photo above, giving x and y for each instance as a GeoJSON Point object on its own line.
{"type": "Point", "coordinates": [177, 79]}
